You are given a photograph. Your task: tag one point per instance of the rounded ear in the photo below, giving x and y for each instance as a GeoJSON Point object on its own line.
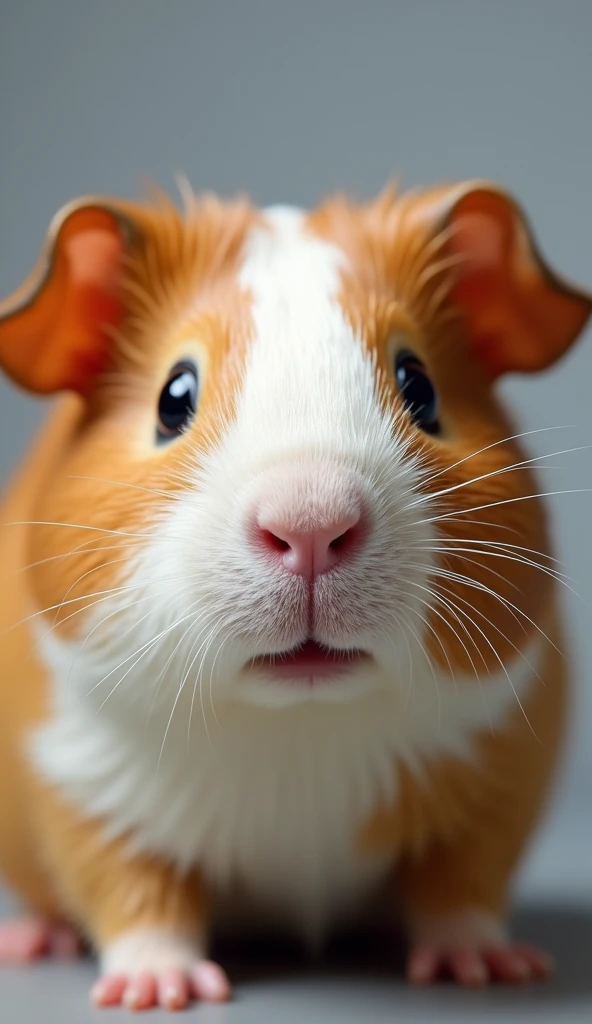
{"type": "Point", "coordinates": [519, 314]}
{"type": "Point", "coordinates": [55, 330]}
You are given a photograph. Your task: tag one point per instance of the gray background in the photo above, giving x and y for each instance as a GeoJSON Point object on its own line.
{"type": "Point", "coordinates": [288, 101]}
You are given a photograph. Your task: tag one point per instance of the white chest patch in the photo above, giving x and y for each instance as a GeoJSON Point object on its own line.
{"type": "Point", "coordinates": [271, 801]}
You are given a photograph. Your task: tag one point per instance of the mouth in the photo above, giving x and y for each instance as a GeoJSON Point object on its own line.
{"type": "Point", "coordinates": [310, 663]}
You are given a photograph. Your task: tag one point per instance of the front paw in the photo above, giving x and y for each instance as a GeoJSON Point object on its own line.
{"type": "Point", "coordinates": [473, 949]}
{"type": "Point", "coordinates": [153, 967]}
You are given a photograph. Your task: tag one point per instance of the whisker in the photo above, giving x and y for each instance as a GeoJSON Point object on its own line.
{"type": "Point", "coordinates": [513, 609]}
{"type": "Point", "coordinates": [179, 692]}
{"type": "Point", "coordinates": [530, 563]}
{"type": "Point", "coordinates": [449, 606]}
{"type": "Point", "coordinates": [216, 656]}
{"type": "Point", "coordinates": [194, 691]}
{"type": "Point", "coordinates": [116, 611]}
{"type": "Point", "coordinates": [79, 526]}
{"type": "Point", "coordinates": [506, 501]}
{"type": "Point", "coordinates": [493, 473]}
{"type": "Point", "coordinates": [499, 659]}
{"type": "Point", "coordinates": [421, 645]}
{"type": "Point", "coordinates": [89, 572]}
{"type": "Point", "coordinates": [149, 645]}
{"type": "Point", "coordinates": [123, 483]}
{"type": "Point", "coordinates": [143, 649]}
{"type": "Point", "coordinates": [438, 638]}
{"type": "Point", "coordinates": [460, 550]}
{"type": "Point", "coordinates": [481, 614]}
{"type": "Point", "coordinates": [461, 624]}
{"type": "Point", "coordinates": [78, 550]}
{"type": "Point", "coordinates": [100, 594]}
{"type": "Point", "coordinates": [162, 674]}
{"type": "Point", "coordinates": [497, 544]}
{"type": "Point", "coordinates": [429, 626]}
{"type": "Point", "coordinates": [495, 444]}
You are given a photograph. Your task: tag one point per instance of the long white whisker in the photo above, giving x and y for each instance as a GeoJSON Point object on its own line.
{"type": "Point", "coordinates": [450, 607]}
{"type": "Point", "coordinates": [124, 483]}
{"type": "Point", "coordinates": [512, 608]}
{"type": "Point", "coordinates": [494, 472]}
{"type": "Point", "coordinates": [89, 572]}
{"type": "Point", "coordinates": [460, 622]}
{"type": "Point", "coordinates": [422, 646]}
{"type": "Point", "coordinates": [115, 611]}
{"type": "Point", "coordinates": [552, 573]}
{"type": "Point", "coordinates": [499, 659]}
{"type": "Point", "coordinates": [193, 620]}
{"type": "Point", "coordinates": [101, 594]}
{"type": "Point", "coordinates": [196, 680]}
{"type": "Point", "coordinates": [497, 544]}
{"type": "Point", "coordinates": [505, 501]}
{"type": "Point", "coordinates": [216, 656]}
{"type": "Point", "coordinates": [79, 526]}
{"type": "Point", "coordinates": [495, 444]}
{"type": "Point", "coordinates": [179, 692]}
{"type": "Point", "coordinates": [144, 649]}
{"type": "Point", "coordinates": [80, 549]}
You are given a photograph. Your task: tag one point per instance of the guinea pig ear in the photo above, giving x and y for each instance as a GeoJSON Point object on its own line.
{"type": "Point", "coordinates": [55, 330]}
{"type": "Point", "coordinates": [520, 315]}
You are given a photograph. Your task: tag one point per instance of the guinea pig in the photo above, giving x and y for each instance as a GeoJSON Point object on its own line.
{"type": "Point", "coordinates": [279, 625]}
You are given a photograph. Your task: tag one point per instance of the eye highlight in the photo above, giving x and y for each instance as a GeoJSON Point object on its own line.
{"type": "Point", "coordinates": [417, 391]}
{"type": "Point", "coordinates": [177, 403]}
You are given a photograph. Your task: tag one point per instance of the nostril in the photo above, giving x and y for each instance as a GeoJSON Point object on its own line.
{"type": "Point", "coordinates": [273, 542]}
{"type": "Point", "coordinates": [347, 540]}
{"type": "Point", "coordinates": [339, 542]}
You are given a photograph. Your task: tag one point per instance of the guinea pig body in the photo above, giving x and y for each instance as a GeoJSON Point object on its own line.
{"type": "Point", "coordinates": [279, 622]}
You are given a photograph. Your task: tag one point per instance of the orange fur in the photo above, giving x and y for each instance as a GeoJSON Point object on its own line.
{"type": "Point", "coordinates": [459, 832]}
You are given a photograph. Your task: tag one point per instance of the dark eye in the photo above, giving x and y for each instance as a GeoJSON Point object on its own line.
{"type": "Point", "coordinates": [177, 402]}
{"type": "Point", "coordinates": [418, 392]}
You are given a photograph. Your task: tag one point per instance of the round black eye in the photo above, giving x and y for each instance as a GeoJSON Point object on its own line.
{"type": "Point", "coordinates": [177, 402]}
{"type": "Point", "coordinates": [418, 392]}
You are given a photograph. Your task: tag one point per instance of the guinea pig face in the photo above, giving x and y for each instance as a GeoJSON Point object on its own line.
{"type": "Point", "coordinates": [298, 529]}
{"type": "Point", "coordinates": [297, 482]}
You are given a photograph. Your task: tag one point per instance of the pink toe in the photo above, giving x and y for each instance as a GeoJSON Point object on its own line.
{"type": "Point", "coordinates": [173, 990]}
{"type": "Point", "coordinates": [507, 965]}
{"type": "Point", "coordinates": [108, 991]}
{"type": "Point", "coordinates": [541, 964]}
{"type": "Point", "coordinates": [23, 940]}
{"type": "Point", "coordinates": [423, 965]}
{"type": "Point", "coordinates": [141, 992]}
{"type": "Point", "coordinates": [210, 982]}
{"type": "Point", "coordinates": [468, 967]}
{"type": "Point", "coordinates": [518, 963]}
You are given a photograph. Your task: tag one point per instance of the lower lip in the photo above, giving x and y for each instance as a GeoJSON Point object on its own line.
{"type": "Point", "coordinates": [310, 663]}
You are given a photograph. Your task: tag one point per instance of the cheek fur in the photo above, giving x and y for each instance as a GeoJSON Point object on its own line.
{"type": "Point", "coordinates": [309, 426]}
{"type": "Point", "coordinates": [307, 410]}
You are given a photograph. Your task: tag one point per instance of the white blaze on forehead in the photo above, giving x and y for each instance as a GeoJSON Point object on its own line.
{"type": "Point", "coordinates": [309, 379]}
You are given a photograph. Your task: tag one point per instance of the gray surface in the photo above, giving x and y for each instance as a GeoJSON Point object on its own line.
{"type": "Point", "coordinates": [355, 983]}
{"type": "Point", "coordinates": [289, 101]}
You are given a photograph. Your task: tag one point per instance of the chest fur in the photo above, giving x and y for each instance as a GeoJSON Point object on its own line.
{"type": "Point", "coordinates": [267, 801]}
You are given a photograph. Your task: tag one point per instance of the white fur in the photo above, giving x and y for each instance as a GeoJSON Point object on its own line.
{"type": "Point", "coordinates": [260, 783]}
{"type": "Point", "coordinates": [274, 796]}
{"type": "Point", "coordinates": [157, 950]}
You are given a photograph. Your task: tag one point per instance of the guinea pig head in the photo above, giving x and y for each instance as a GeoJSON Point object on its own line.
{"type": "Point", "coordinates": [287, 476]}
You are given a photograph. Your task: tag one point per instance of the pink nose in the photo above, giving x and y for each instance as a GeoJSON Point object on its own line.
{"type": "Point", "coordinates": [308, 552]}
